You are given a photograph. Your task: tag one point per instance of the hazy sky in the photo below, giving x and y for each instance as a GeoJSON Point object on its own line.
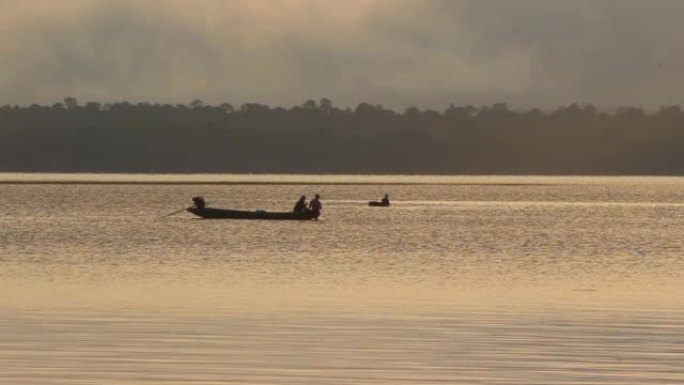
{"type": "Point", "coordinates": [395, 52]}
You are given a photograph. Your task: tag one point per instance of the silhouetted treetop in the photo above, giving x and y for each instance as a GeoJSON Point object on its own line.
{"type": "Point", "coordinates": [319, 137]}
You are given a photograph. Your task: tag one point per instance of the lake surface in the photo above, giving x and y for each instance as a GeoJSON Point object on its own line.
{"type": "Point", "coordinates": [464, 280]}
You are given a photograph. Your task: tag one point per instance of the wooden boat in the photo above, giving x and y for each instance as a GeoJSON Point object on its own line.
{"type": "Point", "coordinates": [384, 202]}
{"type": "Point", "coordinates": [378, 204]}
{"type": "Point", "coordinates": [211, 213]}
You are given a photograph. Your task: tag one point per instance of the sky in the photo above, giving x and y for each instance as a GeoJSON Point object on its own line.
{"type": "Point", "coordinates": [399, 53]}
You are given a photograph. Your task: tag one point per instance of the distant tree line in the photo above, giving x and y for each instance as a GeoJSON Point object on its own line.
{"type": "Point", "coordinates": [317, 137]}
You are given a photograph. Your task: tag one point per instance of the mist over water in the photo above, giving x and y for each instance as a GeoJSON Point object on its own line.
{"type": "Point", "coordinates": [464, 280]}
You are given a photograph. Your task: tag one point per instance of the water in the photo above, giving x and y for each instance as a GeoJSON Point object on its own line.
{"type": "Point", "coordinates": [464, 280]}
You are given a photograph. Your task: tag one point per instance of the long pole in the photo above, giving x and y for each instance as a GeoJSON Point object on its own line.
{"type": "Point", "coordinates": [175, 212]}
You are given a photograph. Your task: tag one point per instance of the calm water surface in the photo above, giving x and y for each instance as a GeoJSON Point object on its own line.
{"type": "Point", "coordinates": [464, 280]}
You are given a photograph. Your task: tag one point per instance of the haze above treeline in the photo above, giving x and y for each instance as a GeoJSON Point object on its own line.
{"type": "Point", "coordinates": [428, 53]}
{"type": "Point", "coordinates": [317, 137]}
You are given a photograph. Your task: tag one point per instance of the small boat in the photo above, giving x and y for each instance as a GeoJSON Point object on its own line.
{"type": "Point", "coordinates": [384, 202]}
{"type": "Point", "coordinates": [211, 213]}
{"type": "Point", "coordinates": [378, 204]}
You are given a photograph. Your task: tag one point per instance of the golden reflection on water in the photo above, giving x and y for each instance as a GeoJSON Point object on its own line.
{"type": "Point", "coordinates": [203, 290]}
{"type": "Point", "coordinates": [377, 334]}
{"type": "Point", "coordinates": [304, 179]}
{"type": "Point", "coordinates": [476, 280]}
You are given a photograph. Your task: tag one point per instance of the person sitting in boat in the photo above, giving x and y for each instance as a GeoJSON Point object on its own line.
{"type": "Point", "coordinates": [199, 203]}
{"type": "Point", "coordinates": [315, 207]}
{"type": "Point", "coordinates": [385, 200]}
{"type": "Point", "coordinates": [300, 206]}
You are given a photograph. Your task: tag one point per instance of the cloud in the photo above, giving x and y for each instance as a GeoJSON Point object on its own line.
{"type": "Point", "coordinates": [395, 52]}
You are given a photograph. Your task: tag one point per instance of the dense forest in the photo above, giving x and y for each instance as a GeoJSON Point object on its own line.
{"type": "Point", "coordinates": [317, 137]}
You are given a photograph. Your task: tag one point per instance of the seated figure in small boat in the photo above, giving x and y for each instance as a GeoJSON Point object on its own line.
{"type": "Point", "coordinates": [300, 206]}
{"type": "Point", "coordinates": [199, 203]}
{"type": "Point", "coordinates": [385, 200]}
{"type": "Point", "coordinates": [315, 207]}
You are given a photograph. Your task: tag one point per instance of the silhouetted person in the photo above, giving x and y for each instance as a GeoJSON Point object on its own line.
{"type": "Point", "coordinates": [199, 203]}
{"type": "Point", "coordinates": [315, 206]}
{"type": "Point", "coordinates": [385, 200]}
{"type": "Point", "coordinates": [300, 206]}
